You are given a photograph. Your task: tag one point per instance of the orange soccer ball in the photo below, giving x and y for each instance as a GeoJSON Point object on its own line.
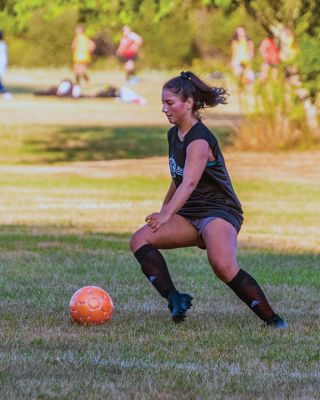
{"type": "Point", "coordinates": [91, 305]}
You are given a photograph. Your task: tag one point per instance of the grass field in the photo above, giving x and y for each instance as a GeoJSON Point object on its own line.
{"type": "Point", "coordinates": [70, 195]}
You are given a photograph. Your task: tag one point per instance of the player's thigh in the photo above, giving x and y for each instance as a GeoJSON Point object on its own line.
{"type": "Point", "coordinates": [220, 238]}
{"type": "Point", "coordinates": [177, 232]}
{"type": "Point", "coordinates": [80, 67]}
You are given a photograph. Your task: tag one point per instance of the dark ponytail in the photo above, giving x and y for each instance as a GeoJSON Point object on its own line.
{"type": "Point", "coordinates": [204, 96]}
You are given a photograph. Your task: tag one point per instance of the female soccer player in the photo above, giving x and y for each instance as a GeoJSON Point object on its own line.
{"type": "Point", "coordinates": [200, 208]}
{"type": "Point", "coordinates": [82, 49]}
{"type": "Point", "coordinates": [128, 52]}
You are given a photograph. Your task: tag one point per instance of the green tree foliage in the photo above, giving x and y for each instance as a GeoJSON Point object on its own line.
{"type": "Point", "coordinates": [287, 118]}
{"type": "Point", "coordinates": [48, 41]}
{"type": "Point", "coordinates": [214, 30]}
{"type": "Point", "coordinates": [203, 28]}
{"type": "Point", "coordinates": [159, 50]}
{"type": "Point", "coordinates": [310, 70]}
{"type": "Point", "coordinates": [303, 18]}
{"type": "Point", "coordinates": [33, 25]}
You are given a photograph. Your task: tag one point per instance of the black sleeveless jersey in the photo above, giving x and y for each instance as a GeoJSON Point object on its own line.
{"type": "Point", "coordinates": [214, 195]}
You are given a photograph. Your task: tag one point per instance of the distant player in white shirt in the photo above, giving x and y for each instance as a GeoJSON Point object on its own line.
{"type": "Point", "coordinates": [3, 62]}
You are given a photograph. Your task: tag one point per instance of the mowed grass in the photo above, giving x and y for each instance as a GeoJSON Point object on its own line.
{"type": "Point", "coordinates": [69, 226]}
{"type": "Point", "coordinates": [66, 219]}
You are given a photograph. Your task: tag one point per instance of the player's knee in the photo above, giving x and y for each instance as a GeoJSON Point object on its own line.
{"type": "Point", "coordinates": [138, 239]}
{"type": "Point", "coordinates": [134, 240]}
{"type": "Point", "coordinates": [223, 268]}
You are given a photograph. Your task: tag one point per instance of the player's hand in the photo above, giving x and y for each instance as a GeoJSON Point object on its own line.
{"type": "Point", "coordinates": [155, 220]}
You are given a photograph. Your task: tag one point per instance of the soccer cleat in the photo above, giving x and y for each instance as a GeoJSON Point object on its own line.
{"type": "Point", "coordinates": [277, 323]}
{"type": "Point", "coordinates": [179, 303]}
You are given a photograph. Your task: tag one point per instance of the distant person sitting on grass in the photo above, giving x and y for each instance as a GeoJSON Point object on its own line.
{"type": "Point", "coordinates": [128, 52]}
{"type": "Point", "coordinates": [200, 208]}
{"type": "Point", "coordinates": [64, 89]}
{"type": "Point", "coordinates": [82, 49]}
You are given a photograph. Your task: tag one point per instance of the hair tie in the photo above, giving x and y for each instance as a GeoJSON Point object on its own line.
{"type": "Point", "coordinates": [184, 75]}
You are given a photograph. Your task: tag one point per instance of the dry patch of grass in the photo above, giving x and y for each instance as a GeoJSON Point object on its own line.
{"type": "Point", "coordinates": [295, 167]}
{"type": "Point", "coordinates": [28, 109]}
{"type": "Point", "coordinates": [274, 167]}
{"type": "Point", "coordinates": [115, 196]}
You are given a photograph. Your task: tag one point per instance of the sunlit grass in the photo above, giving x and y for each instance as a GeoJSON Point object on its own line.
{"type": "Point", "coordinates": [278, 215]}
{"type": "Point", "coordinates": [221, 346]}
{"type": "Point", "coordinates": [66, 216]}
{"type": "Point", "coordinates": [69, 226]}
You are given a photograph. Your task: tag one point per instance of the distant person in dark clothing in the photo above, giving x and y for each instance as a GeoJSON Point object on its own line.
{"type": "Point", "coordinates": [64, 89]}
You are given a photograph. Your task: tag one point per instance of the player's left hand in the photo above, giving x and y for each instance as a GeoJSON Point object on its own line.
{"type": "Point", "coordinates": [155, 220]}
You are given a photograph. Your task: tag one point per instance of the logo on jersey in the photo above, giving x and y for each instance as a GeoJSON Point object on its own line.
{"type": "Point", "coordinates": [174, 168]}
{"type": "Point", "coordinates": [254, 303]}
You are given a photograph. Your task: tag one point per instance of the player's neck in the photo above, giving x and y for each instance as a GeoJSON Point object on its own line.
{"type": "Point", "coordinates": [185, 126]}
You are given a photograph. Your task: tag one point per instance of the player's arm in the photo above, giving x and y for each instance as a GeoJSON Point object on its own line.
{"type": "Point", "coordinates": [120, 48]}
{"type": "Point", "coordinates": [137, 39]}
{"type": "Point", "coordinates": [196, 160]}
{"type": "Point", "coordinates": [262, 48]}
{"type": "Point", "coordinates": [251, 48]}
{"type": "Point", "coordinates": [171, 191]}
{"type": "Point", "coordinates": [234, 45]}
{"type": "Point", "coordinates": [92, 46]}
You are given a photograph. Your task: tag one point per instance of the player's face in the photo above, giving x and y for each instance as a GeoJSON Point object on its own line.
{"type": "Point", "coordinates": [174, 107]}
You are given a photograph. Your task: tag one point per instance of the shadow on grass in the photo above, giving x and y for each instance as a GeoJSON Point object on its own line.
{"type": "Point", "coordinates": [62, 144]}
{"type": "Point", "coordinates": [20, 89]}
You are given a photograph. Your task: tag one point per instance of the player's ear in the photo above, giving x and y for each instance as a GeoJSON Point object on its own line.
{"type": "Point", "coordinates": [189, 103]}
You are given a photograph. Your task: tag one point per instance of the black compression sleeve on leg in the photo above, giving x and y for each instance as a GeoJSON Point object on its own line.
{"type": "Point", "coordinates": [249, 291]}
{"type": "Point", "coordinates": [154, 267]}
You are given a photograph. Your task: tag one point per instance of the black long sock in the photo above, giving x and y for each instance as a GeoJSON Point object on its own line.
{"type": "Point", "coordinates": [154, 267]}
{"type": "Point", "coordinates": [249, 291]}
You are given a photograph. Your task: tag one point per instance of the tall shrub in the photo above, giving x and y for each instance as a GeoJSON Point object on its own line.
{"type": "Point", "coordinates": [46, 42]}
{"type": "Point", "coordinates": [273, 118]}
{"type": "Point", "coordinates": [169, 42]}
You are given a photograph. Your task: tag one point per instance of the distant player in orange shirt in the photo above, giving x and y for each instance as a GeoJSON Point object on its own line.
{"type": "Point", "coordinates": [82, 49]}
{"type": "Point", "coordinates": [270, 54]}
{"type": "Point", "coordinates": [128, 51]}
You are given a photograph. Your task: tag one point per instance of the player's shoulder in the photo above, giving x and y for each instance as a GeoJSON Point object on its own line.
{"type": "Point", "coordinates": [200, 131]}
{"type": "Point", "coordinates": [133, 36]}
{"type": "Point", "coordinates": [171, 131]}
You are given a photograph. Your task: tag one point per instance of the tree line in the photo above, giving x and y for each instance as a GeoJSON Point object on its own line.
{"type": "Point", "coordinates": [176, 32]}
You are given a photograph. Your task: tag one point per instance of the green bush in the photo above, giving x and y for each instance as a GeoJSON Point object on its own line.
{"type": "Point", "coordinates": [168, 43]}
{"type": "Point", "coordinates": [274, 118]}
{"type": "Point", "coordinates": [215, 31]}
{"type": "Point", "coordinates": [174, 40]}
{"type": "Point", "coordinates": [46, 42]}
{"type": "Point", "coordinates": [310, 70]}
